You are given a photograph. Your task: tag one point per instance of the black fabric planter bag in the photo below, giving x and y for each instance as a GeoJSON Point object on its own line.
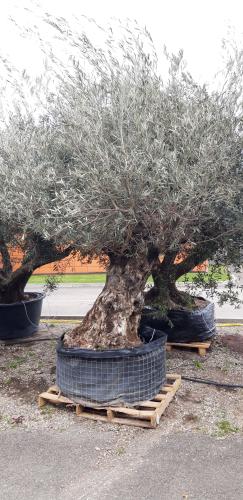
{"type": "Point", "coordinates": [148, 334]}
{"type": "Point", "coordinates": [117, 376]}
{"type": "Point", "coordinates": [183, 326]}
{"type": "Point", "coordinates": [20, 319]}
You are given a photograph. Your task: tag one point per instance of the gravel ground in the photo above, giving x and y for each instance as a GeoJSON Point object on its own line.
{"type": "Point", "coordinates": [28, 369]}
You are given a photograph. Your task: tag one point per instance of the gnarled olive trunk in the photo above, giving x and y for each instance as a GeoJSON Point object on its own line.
{"type": "Point", "coordinates": [12, 290]}
{"type": "Point", "coordinates": [165, 293]}
{"type": "Point", "coordinates": [38, 252]}
{"type": "Point", "coordinates": [113, 320]}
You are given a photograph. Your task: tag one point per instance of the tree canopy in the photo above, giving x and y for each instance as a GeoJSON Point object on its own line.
{"type": "Point", "coordinates": [150, 157]}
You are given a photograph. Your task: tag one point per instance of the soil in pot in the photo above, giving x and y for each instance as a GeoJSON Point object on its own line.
{"type": "Point", "coordinates": [21, 319]}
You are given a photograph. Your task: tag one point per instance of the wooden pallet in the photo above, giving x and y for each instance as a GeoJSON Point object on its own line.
{"type": "Point", "coordinates": [145, 414]}
{"type": "Point", "coordinates": [201, 347]}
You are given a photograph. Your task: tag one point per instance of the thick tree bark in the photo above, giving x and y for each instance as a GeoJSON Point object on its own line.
{"type": "Point", "coordinates": [179, 298]}
{"type": "Point", "coordinates": [13, 290]}
{"type": "Point", "coordinates": [113, 320]}
{"type": "Point", "coordinates": [164, 293]}
{"type": "Point", "coordinates": [6, 261]}
{"type": "Point", "coordinates": [163, 277]}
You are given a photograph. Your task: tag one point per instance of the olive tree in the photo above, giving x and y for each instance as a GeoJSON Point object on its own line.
{"type": "Point", "coordinates": [218, 239]}
{"type": "Point", "coordinates": [150, 155]}
{"type": "Point", "coordinates": [219, 236]}
{"type": "Point", "coordinates": [28, 153]}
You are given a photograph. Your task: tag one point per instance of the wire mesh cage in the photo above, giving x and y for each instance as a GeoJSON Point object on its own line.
{"type": "Point", "coordinates": [124, 376]}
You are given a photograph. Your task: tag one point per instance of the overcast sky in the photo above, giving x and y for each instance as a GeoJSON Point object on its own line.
{"type": "Point", "coordinates": [197, 26]}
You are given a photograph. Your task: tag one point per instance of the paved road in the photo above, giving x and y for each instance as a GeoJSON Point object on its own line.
{"type": "Point", "coordinates": [82, 464]}
{"type": "Point", "coordinates": [76, 300]}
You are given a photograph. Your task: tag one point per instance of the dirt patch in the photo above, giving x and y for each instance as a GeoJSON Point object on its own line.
{"type": "Point", "coordinates": [27, 390]}
{"type": "Point", "coordinates": [190, 418]}
{"type": "Point", "coordinates": [189, 397]}
{"type": "Point", "coordinates": [234, 342]}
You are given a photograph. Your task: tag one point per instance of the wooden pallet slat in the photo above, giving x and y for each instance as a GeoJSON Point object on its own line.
{"type": "Point", "coordinates": [53, 398]}
{"type": "Point", "coordinates": [160, 410]}
{"type": "Point", "coordinates": [201, 347]}
{"type": "Point", "coordinates": [148, 404]}
{"type": "Point", "coordinates": [160, 397]}
{"type": "Point", "coordinates": [145, 414]}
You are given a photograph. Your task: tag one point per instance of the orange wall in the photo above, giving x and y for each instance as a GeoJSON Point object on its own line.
{"type": "Point", "coordinates": [72, 265]}
{"type": "Point", "coordinates": [69, 265]}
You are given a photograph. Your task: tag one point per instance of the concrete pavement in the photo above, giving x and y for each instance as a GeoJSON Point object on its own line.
{"type": "Point", "coordinates": [76, 300]}
{"type": "Point", "coordinates": [68, 300]}
{"type": "Point", "coordinates": [86, 464]}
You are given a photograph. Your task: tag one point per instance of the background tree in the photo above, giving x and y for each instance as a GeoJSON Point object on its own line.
{"type": "Point", "coordinates": [28, 153]}
{"type": "Point", "coordinates": [219, 236]}
{"type": "Point", "coordinates": [219, 243]}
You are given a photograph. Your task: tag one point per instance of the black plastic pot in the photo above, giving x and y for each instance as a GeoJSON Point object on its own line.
{"type": "Point", "coordinates": [20, 319]}
{"type": "Point", "coordinates": [183, 325]}
{"type": "Point", "coordinates": [117, 376]}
